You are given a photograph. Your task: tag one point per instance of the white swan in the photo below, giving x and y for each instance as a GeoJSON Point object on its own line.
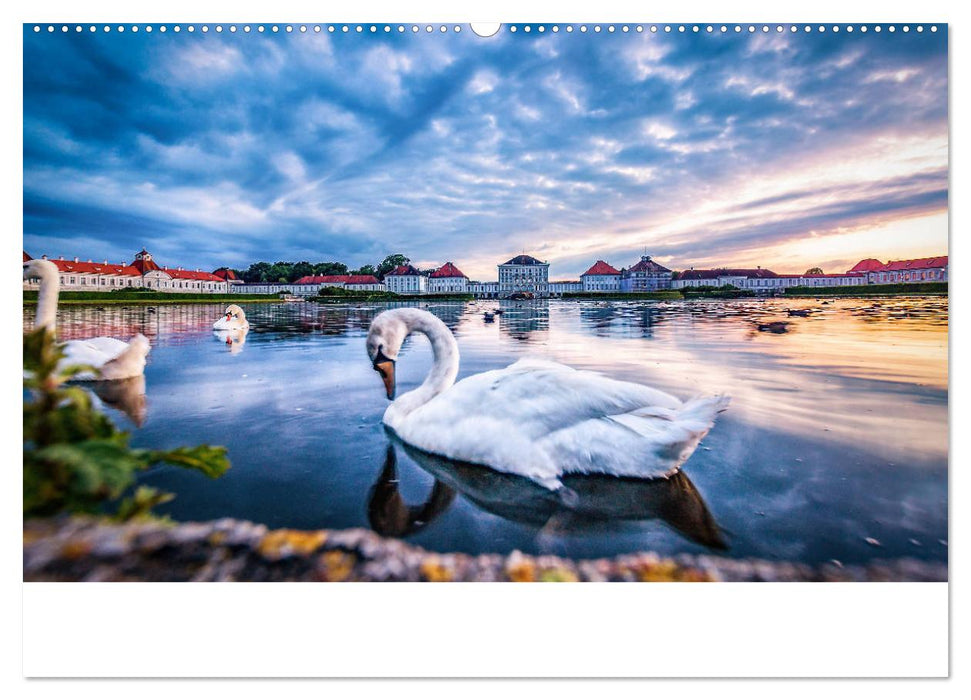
{"type": "Point", "coordinates": [234, 320]}
{"type": "Point", "coordinates": [535, 418]}
{"type": "Point", "coordinates": [115, 359]}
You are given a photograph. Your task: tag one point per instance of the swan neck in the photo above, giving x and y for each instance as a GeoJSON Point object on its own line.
{"type": "Point", "coordinates": [445, 366]}
{"type": "Point", "coordinates": [47, 301]}
{"type": "Point", "coordinates": [445, 351]}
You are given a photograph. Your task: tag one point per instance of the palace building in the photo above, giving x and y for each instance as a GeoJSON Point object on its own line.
{"type": "Point", "coordinates": [601, 277]}
{"type": "Point", "coordinates": [448, 279]}
{"type": "Point", "coordinates": [406, 280]}
{"type": "Point", "coordinates": [645, 276]}
{"type": "Point", "coordinates": [524, 274]}
{"type": "Point", "coordinates": [143, 272]}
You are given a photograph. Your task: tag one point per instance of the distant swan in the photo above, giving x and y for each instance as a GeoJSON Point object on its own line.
{"type": "Point", "coordinates": [234, 320]}
{"type": "Point", "coordinates": [535, 418]}
{"type": "Point", "coordinates": [115, 359]}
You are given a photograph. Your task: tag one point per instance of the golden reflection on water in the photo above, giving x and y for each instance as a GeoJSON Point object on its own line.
{"type": "Point", "coordinates": [870, 373]}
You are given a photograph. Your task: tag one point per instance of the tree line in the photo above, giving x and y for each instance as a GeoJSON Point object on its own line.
{"type": "Point", "coordinates": [289, 272]}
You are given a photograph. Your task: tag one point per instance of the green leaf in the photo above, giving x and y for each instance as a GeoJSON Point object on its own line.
{"type": "Point", "coordinates": [140, 504]}
{"type": "Point", "coordinates": [75, 459]}
{"type": "Point", "coordinates": [211, 461]}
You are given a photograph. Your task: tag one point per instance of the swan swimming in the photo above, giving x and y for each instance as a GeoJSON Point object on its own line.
{"type": "Point", "coordinates": [234, 320]}
{"type": "Point", "coordinates": [535, 418]}
{"type": "Point", "coordinates": [115, 359]}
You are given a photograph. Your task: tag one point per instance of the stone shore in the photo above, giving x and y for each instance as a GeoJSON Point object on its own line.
{"type": "Point", "coordinates": [88, 549]}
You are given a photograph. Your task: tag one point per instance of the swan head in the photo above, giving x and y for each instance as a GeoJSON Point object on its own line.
{"type": "Point", "coordinates": [233, 310]}
{"type": "Point", "coordinates": [35, 269]}
{"type": "Point", "coordinates": [384, 339]}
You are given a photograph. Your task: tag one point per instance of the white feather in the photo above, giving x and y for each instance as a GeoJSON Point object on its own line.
{"type": "Point", "coordinates": [540, 419]}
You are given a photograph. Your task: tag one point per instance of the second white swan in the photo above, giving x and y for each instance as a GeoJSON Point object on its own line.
{"type": "Point", "coordinates": [234, 320]}
{"type": "Point", "coordinates": [535, 418]}
{"type": "Point", "coordinates": [113, 358]}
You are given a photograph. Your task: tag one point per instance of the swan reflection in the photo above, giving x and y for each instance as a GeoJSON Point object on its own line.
{"type": "Point", "coordinates": [234, 339]}
{"type": "Point", "coordinates": [387, 511]}
{"type": "Point", "coordinates": [592, 500]}
{"type": "Point", "coordinates": [125, 395]}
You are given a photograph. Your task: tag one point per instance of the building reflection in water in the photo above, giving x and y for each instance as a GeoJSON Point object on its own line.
{"type": "Point", "coordinates": [587, 504]}
{"type": "Point", "coordinates": [527, 321]}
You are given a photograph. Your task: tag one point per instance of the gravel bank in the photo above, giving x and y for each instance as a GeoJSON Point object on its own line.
{"type": "Point", "coordinates": [86, 549]}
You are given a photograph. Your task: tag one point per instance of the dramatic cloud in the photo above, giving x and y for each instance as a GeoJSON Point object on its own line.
{"type": "Point", "coordinates": [781, 149]}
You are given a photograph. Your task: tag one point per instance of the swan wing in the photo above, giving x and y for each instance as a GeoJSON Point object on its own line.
{"type": "Point", "coordinates": [542, 419]}
{"type": "Point", "coordinates": [115, 358]}
{"type": "Point", "coordinates": [110, 347]}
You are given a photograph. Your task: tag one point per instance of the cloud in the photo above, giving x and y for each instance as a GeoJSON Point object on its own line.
{"type": "Point", "coordinates": [227, 149]}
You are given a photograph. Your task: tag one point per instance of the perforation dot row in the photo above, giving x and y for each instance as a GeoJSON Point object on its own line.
{"type": "Point", "coordinates": [711, 29]}
{"type": "Point", "coordinates": [429, 28]}
{"type": "Point", "coordinates": [260, 28]}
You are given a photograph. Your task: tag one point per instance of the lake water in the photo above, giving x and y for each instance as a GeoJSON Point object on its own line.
{"type": "Point", "coordinates": [836, 434]}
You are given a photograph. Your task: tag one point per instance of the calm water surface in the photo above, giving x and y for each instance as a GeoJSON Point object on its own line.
{"type": "Point", "coordinates": [837, 431]}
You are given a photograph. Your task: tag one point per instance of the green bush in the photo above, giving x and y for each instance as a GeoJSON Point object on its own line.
{"type": "Point", "coordinates": [75, 459]}
{"type": "Point", "coordinates": [149, 295]}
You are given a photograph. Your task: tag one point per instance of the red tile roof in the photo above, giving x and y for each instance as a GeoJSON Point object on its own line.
{"type": "Point", "coordinates": [225, 273]}
{"type": "Point", "coordinates": [337, 279]}
{"type": "Point", "coordinates": [867, 265]}
{"type": "Point", "coordinates": [918, 264]}
{"type": "Point", "coordinates": [448, 270]}
{"type": "Point", "coordinates": [601, 268]}
{"type": "Point", "coordinates": [176, 273]}
{"type": "Point", "coordinates": [144, 265]}
{"type": "Point", "coordinates": [27, 257]}
{"type": "Point", "coordinates": [89, 267]}
{"type": "Point", "coordinates": [408, 270]}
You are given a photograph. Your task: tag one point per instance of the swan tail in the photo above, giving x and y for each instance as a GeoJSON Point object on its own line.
{"type": "Point", "coordinates": [701, 411]}
{"type": "Point", "coordinates": [130, 363]}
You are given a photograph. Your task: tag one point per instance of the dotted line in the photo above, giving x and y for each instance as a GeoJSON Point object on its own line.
{"type": "Point", "coordinates": [512, 28]}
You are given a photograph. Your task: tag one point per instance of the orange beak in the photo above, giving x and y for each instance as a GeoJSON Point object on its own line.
{"type": "Point", "coordinates": [385, 367]}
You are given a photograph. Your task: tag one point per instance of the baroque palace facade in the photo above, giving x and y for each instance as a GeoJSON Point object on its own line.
{"type": "Point", "coordinates": [522, 275]}
{"type": "Point", "coordinates": [143, 272]}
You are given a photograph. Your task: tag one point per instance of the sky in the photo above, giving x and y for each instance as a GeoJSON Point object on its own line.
{"type": "Point", "coordinates": [785, 150]}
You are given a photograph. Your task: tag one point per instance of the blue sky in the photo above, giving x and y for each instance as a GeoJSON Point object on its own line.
{"type": "Point", "coordinates": [787, 150]}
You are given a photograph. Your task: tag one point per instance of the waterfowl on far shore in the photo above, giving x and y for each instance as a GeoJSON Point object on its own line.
{"type": "Point", "coordinates": [799, 312]}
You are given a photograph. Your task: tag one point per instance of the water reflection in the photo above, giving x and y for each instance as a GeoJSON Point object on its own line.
{"type": "Point", "coordinates": [837, 429]}
{"type": "Point", "coordinates": [125, 395]}
{"type": "Point", "coordinates": [389, 515]}
{"type": "Point", "coordinates": [234, 340]}
{"type": "Point", "coordinates": [589, 504]}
